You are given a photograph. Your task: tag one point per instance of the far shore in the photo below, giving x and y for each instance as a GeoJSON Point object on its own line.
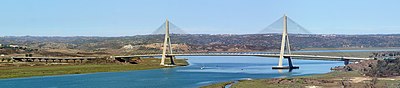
{"type": "Point", "coordinates": [353, 48]}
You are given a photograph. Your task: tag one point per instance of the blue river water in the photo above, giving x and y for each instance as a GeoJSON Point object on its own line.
{"type": "Point", "coordinates": [215, 69]}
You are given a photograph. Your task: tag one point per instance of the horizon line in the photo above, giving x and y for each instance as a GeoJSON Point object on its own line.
{"type": "Point", "coordinates": [188, 34]}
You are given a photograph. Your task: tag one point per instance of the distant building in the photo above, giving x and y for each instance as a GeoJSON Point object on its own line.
{"type": "Point", "coordinates": [101, 49]}
{"type": "Point", "coordinates": [128, 47]}
{"type": "Point", "coordinates": [13, 46]}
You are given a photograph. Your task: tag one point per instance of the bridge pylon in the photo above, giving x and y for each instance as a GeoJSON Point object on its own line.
{"type": "Point", "coordinates": [285, 44]}
{"type": "Point", "coordinates": [167, 49]}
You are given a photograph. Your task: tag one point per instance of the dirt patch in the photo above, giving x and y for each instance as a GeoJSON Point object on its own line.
{"type": "Point", "coordinates": [359, 79]}
{"type": "Point", "coordinates": [299, 80]}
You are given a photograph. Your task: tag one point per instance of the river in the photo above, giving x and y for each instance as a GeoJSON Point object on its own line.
{"type": "Point", "coordinates": [215, 69]}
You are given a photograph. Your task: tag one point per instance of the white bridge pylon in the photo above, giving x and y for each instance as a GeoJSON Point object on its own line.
{"type": "Point", "coordinates": [167, 46]}
{"type": "Point", "coordinates": [285, 44]}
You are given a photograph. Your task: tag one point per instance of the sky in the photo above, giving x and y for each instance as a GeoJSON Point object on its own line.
{"type": "Point", "coordinates": [140, 17]}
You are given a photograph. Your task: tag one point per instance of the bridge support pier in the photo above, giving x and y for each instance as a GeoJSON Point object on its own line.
{"type": "Point", "coordinates": [287, 67]}
{"type": "Point", "coordinates": [172, 59]}
{"type": "Point", "coordinates": [346, 61]}
{"type": "Point", "coordinates": [290, 62]}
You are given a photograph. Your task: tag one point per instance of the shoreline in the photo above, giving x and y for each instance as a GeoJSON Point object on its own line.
{"type": "Point", "coordinates": [352, 75]}
{"type": "Point", "coordinates": [258, 82]}
{"type": "Point", "coordinates": [229, 84]}
{"type": "Point", "coordinates": [9, 72]}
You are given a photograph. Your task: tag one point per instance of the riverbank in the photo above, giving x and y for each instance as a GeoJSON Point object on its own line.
{"type": "Point", "coordinates": [352, 79]}
{"type": "Point", "coordinates": [27, 70]}
{"type": "Point", "coordinates": [363, 74]}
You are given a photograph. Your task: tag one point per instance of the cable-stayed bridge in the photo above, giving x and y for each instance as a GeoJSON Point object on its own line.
{"type": "Point", "coordinates": [279, 26]}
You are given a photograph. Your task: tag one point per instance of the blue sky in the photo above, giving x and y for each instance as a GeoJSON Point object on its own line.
{"type": "Point", "coordinates": [138, 17]}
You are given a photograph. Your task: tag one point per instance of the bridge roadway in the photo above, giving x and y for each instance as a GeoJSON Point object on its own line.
{"type": "Point", "coordinates": [294, 56]}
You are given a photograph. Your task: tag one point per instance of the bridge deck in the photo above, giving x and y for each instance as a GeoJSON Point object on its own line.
{"type": "Point", "coordinates": [260, 55]}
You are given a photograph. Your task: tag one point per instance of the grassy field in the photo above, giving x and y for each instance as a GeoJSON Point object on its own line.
{"type": "Point", "coordinates": [47, 70]}
{"type": "Point", "coordinates": [334, 74]}
{"type": "Point", "coordinates": [329, 80]}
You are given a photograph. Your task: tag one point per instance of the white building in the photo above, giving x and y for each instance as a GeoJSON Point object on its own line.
{"type": "Point", "coordinates": [14, 46]}
{"type": "Point", "coordinates": [128, 47]}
